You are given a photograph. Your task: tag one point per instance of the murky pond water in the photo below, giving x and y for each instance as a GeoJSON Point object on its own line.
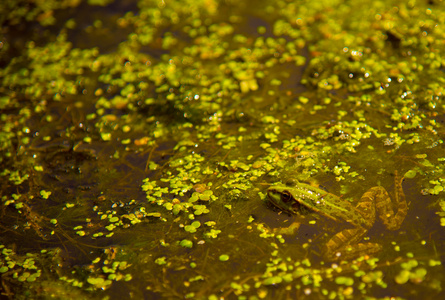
{"type": "Point", "coordinates": [143, 141]}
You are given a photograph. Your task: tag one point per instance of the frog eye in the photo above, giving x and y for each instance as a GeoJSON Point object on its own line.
{"type": "Point", "coordinates": [286, 197]}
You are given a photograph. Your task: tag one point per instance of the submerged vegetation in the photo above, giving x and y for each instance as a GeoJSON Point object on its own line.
{"type": "Point", "coordinates": [138, 140]}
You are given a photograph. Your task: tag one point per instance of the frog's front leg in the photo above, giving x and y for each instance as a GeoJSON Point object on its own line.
{"type": "Point", "coordinates": [345, 245]}
{"type": "Point", "coordinates": [288, 230]}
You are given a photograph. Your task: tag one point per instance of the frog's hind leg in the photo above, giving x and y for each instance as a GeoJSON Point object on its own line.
{"type": "Point", "coordinates": [345, 245]}
{"type": "Point", "coordinates": [384, 206]}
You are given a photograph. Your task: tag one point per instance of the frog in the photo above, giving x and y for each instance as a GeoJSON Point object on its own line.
{"type": "Point", "coordinates": [346, 244]}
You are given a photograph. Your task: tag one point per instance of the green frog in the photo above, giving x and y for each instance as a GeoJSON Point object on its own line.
{"type": "Point", "coordinates": [346, 243]}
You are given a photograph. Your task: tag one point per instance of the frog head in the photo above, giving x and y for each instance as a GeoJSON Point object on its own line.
{"type": "Point", "coordinates": [284, 199]}
{"type": "Point", "coordinates": [303, 198]}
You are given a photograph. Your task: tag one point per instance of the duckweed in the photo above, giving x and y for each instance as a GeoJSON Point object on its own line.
{"type": "Point", "coordinates": [200, 108]}
{"type": "Point", "coordinates": [186, 243]}
{"type": "Point", "coordinates": [224, 257]}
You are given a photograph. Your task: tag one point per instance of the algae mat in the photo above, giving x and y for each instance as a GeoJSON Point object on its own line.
{"type": "Point", "coordinates": [141, 142]}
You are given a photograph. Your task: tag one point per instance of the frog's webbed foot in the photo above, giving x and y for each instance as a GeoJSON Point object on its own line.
{"type": "Point", "coordinates": [353, 251]}
{"type": "Point", "coordinates": [345, 245]}
{"type": "Point", "coordinates": [292, 229]}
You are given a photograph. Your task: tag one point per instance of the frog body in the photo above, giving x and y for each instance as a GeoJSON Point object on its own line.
{"type": "Point", "coordinates": [346, 243]}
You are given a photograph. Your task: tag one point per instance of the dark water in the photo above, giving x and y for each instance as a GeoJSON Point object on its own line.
{"type": "Point", "coordinates": [138, 140]}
